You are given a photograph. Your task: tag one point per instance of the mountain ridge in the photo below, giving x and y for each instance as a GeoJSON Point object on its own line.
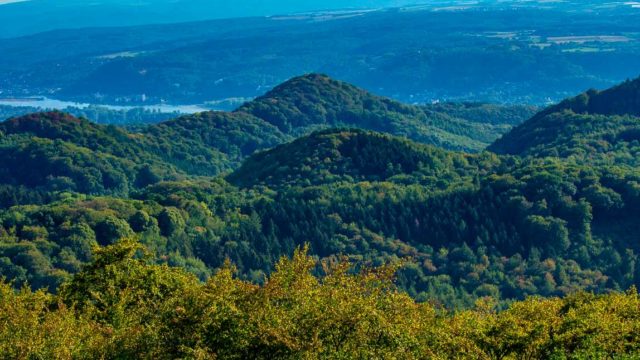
{"type": "Point", "coordinates": [622, 99]}
{"type": "Point", "coordinates": [316, 101]}
{"type": "Point", "coordinates": [212, 143]}
{"type": "Point", "coordinates": [588, 125]}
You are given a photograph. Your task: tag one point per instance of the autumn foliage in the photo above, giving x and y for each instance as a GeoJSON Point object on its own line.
{"type": "Point", "coordinates": [119, 306]}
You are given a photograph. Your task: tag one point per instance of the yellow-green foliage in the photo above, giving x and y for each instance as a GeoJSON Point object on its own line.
{"type": "Point", "coordinates": [121, 307]}
{"type": "Point", "coordinates": [35, 326]}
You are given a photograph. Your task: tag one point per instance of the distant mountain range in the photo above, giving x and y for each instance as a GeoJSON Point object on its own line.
{"type": "Point", "coordinates": [528, 54]}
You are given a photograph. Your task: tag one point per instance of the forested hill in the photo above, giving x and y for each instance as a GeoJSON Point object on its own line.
{"type": "Point", "coordinates": [623, 99]}
{"type": "Point", "coordinates": [315, 101]}
{"type": "Point", "coordinates": [594, 126]}
{"type": "Point", "coordinates": [55, 151]}
{"type": "Point", "coordinates": [48, 152]}
{"type": "Point", "coordinates": [347, 155]}
{"type": "Point", "coordinates": [188, 141]}
{"type": "Point", "coordinates": [468, 225]}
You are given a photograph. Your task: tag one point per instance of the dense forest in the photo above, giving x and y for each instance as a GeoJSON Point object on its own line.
{"type": "Point", "coordinates": [319, 179]}
{"type": "Point", "coordinates": [313, 102]}
{"type": "Point", "coordinates": [595, 124]}
{"type": "Point", "coordinates": [122, 307]}
{"type": "Point", "coordinates": [550, 210]}
{"type": "Point", "coordinates": [48, 152]}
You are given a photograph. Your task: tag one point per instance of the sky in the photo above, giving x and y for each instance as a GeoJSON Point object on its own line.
{"type": "Point", "coordinates": [4, 2]}
{"type": "Point", "coordinates": [20, 17]}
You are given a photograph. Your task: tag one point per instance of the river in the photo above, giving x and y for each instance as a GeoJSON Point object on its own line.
{"type": "Point", "coordinates": [45, 103]}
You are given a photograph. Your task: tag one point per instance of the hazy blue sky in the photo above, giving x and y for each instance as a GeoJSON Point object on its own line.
{"type": "Point", "coordinates": [24, 17]}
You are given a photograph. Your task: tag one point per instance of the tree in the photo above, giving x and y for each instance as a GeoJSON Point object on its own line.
{"type": "Point", "coordinates": [170, 221]}
{"type": "Point", "coordinates": [111, 229]}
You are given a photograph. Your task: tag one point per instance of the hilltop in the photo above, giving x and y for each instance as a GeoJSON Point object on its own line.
{"type": "Point", "coordinates": [623, 99]}
{"type": "Point", "coordinates": [55, 151]}
{"type": "Point", "coordinates": [315, 101]}
{"type": "Point", "coordinates": [588, 126]}
{"type": "Point", "coordinates": [345, 155]}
